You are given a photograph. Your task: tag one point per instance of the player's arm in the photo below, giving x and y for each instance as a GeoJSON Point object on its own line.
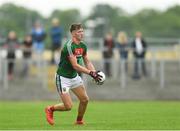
{"type": "Point", "coordinates": [76, 66]}
{"type": "Point", "coordinates": [80, 68]}
{"type": "Point", "coordinates": [90, 66]}
{"type": "Point", "coordinates": [88, 63]}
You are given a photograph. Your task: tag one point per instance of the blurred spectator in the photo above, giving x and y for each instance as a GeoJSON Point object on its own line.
{"type": "Point", "coordinates": [56, 33]}
{"type": "Point", "coordinates": [108, 53]}
{"type": "Point", "coordinates": [11, 45]}
{"type": "Point", "coordinates": [122, 44]}
{"type": "Point", "coordinates": [38, 36]}
{"type": "Point", "coordinates": [139, 47]}
{"type": "Point", "coordinates": [27, 52]}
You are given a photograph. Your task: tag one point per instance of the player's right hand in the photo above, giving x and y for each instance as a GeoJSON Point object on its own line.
{"type": "Point", "coordinates": [95, 76]}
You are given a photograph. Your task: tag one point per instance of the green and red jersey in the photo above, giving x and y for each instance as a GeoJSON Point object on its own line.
{"type": "Point", "coordinates": [65, 68]}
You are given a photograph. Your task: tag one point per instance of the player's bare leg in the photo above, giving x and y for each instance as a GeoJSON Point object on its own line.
{"type": "Point", "coordinates": [65, 106]}
{"type": "Point", "coordinates": [80, 92]}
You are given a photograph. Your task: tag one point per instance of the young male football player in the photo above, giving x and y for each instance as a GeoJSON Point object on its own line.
{"type": "Point", "coordinates": [67, 77]}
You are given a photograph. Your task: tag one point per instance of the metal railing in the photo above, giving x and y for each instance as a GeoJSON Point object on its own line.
{"type": "Point", "coordinates": [116, 63]}
{"type": "Point", "coordinates": [156, 70]}
{"type": "Point", "coordinates": [40, 72]}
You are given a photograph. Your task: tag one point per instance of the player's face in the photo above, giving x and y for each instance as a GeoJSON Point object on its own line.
{"type": "Point", "coordinates": [79, 34]}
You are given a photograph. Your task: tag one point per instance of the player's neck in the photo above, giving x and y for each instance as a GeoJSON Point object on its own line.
{"type": "Point", "coordinates": [75, 41]}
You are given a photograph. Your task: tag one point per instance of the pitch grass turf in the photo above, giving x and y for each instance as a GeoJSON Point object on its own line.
{"type": "Point", "coordinates": [100, 115]}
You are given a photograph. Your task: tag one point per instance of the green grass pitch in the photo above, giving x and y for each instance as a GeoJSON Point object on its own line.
{"type": "Point", "coordinates": [125, 115]}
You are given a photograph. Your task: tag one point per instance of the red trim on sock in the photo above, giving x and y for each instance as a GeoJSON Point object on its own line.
{"type": "Point", "coordinates": [79, 118]}
{"type": "Point", "coordinates": [52, 108]}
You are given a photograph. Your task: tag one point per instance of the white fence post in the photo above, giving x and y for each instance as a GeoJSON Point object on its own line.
{"type": "Point", "coordinates": [162, 73]}
{"type": "Point", "coordinates": [44, 71]}
{"type": "Point", "coordinates": [153, 66]}
{"type": "Point", "coordinates": [5, 79]}
{"type": "Point", "coordinates": [123, 73]}
{"type": "Point", "coordinates": [1, 75]}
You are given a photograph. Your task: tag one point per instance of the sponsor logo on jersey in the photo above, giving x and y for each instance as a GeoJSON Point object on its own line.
{"type": "Point", "coordinates": [78, 52]}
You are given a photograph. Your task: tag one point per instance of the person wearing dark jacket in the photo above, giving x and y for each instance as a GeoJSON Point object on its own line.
{"type": "Point", "coordinates": [38, 35]}
{"type": "Point", "coordinates": [139, 47]}
{"type": "Point", "coordinates": [122, 45]}
{"type": "Point", "coordinates": [11, 45]}
{"type": "Point", "coordinates": [108, 53]}
{"type": "Point", "coordinates": [56, 34]}
{"type": "Point", "coordinates": [27, 52]}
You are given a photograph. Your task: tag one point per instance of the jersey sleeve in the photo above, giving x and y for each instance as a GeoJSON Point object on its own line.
{"type": "Point", "coordinates": [68, 49]}
{"type": "Point", "coordinates": [85, 50]}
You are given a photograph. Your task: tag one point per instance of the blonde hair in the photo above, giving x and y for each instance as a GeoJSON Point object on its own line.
{"type": "Point", "coordinates": [122, 38]}
{"type": "Point", "coordinates": [12, 34]}
{"type": "Point", "coordinates": [55, 21]}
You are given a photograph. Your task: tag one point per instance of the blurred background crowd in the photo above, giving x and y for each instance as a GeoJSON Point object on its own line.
{"type": "Point", "coordinates": [126, 47]}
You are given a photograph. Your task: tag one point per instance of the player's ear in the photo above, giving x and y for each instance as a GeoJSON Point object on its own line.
{"type": "Point", "coordinates": [73, 32]}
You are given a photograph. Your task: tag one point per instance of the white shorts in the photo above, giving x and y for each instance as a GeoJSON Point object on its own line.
{"type": "Point", "coordinates": [64, 84]}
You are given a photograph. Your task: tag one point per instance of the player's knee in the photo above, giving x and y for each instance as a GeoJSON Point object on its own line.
{"type": "Point", "coordinates": [85, 100]}
{"type": "Point", "coordinates": [68, 107]}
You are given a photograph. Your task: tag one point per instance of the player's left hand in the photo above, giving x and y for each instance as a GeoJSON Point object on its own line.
{"type": "Point", "coordinates": [95, 75]}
